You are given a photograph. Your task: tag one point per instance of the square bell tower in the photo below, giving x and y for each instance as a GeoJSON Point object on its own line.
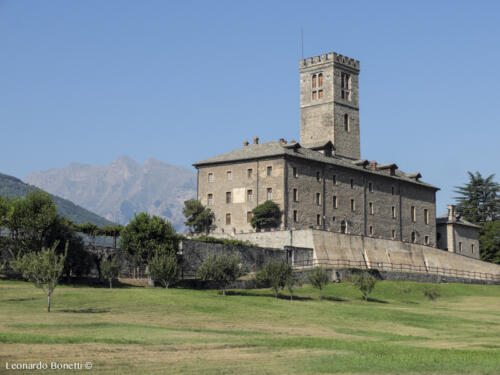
{"type": "Point", "coordinates": [329, 103]}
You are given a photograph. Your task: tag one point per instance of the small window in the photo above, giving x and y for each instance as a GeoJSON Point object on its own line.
{"type": "Point", "coordinates": [318, 199]}
{"type": "Point", "coordinates": [210, 199]}
{"type": "Point", "coordinates": [318, 219]}
{"type": "Point", "coordinates": [334, 179]}
{"type": "Point", "coordinates": [228, 219]}
{"type": "Point", "coordinates": [393, 210]}
{"type": "Point", "coordinates": [392, 190]}
{"type": "Point", "coordinates": [352, 183]}
{"type": "Point", "coordinates": [295, 216]}
{"type": "Point", "coordinates": [320, 94]}
{"type": "Point", "coordinates": [269, 171]}
{"type": "Point", "coordinates": [249, 216]}
{"type": "Point", "coordinates": [295, 195]}
{"type": "Point", "coordinates": [210, 177]}
{"type": "Point", "coordinates": [460, 247]}
{"type": "Point", "coordinates": [315, 95]}
{"type": "Point", "coordinates": [472, 248]}
{"type": "Point", "coordinates": [426, 216]}
{"type": "Point", "coordinates": [371, 230]}
{"type": "Point", "coordinates": [250, 195]}
{"type": "Point", "coordinates": [346, 86]}
{"type": "Point", "coordinates": [347, 127]}
{"type": "Point", "coordinates": [269, 194]}
{"type": "Point", "coordinates": [353, 205]}
{"type": "Point", "coordinates": [228, 197]}
{"type": "Point", "coordinates": [320, 79]}
{"type": "Point", "coordinates": [370, 205]}
{"type": "Point", "coordinates": [229, 175]}
{"type": "Point", "coordinates": [343, 227]}
{"type": "Point", "coordinates": [413, 237]}
{"type": "Point", "coordinates": [370, 187]}
{"type": "Point", "coordinates": [426, 240]}
{"type": "Point", "coordinates": [393, 234]}
{"type": "Point", "coordinates": [413, 213]}
{"type": "Point", "coordinates": [335, 203]}
{"type": "Point", "coordinates": [314, 81]}
{"type": "Point", "coordinates": [318, 176]}
{"type": "Point", "coordinates": [294, 172]}
{"type": "Point", "coordinates": [250, 173]}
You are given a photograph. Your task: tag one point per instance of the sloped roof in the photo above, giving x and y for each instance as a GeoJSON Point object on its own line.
{"type": "Point", "coordinates": [443, 219]}
{"type": "Point", "coordinates": [277, 149]}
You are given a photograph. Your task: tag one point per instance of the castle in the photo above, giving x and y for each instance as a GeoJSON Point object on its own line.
{"type": "Point", "coordinates": [321, 181]}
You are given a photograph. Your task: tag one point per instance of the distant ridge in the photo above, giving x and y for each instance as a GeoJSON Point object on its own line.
{"type": "Point", "coordinates": [123, 188]}
{"type": "Point", "coordinates": [13, 187]}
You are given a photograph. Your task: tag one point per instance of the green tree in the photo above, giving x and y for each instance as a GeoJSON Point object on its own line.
{"type": "Point", "coordinates": [145, 235]}
{"type": "Point", "coordinates": [112, 231]}
{"type": "Point", "coordinates": [293, 281]}
{"type": "Point", "coordinates": [222, 270]}
{"type": "Point", "coordinates": [431, 292]}
{"type": "Point", "coordinates": [164, 268]}
{"type": "Point", "coordinates": [43, 269]}
{"type": "Point", "coordinates": [489, 241]}
{"type": "Point", "coordinates": [274, 274]}
{"type": "Point", "coordinates": [110, 270]}
{"type": "Point", "coordinates": [199, 218]}
{"type": "Point", "coordinates": [318, 278]}
{"type": "Point", "coordinates": [478, 200]}
{"type": "Point", "coordinates": [365, 283]}
{"type": "Point", "coordinates": [266, 215]}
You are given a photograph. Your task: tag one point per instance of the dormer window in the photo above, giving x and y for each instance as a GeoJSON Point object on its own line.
{"type": "Point", "coordinates": [346, 86]}
{"type": "Point", "coordinates": [317, 86]}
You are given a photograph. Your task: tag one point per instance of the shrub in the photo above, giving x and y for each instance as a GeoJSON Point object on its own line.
{"type": "Point", "coordinates": [365, 283]}
{"type": "Point", "coordinates": [224, 241]}
{"type": "Point", "coordinates": [318, 278]}
{"type": "Point", "coordinates": [431, 292]}
{"type": "Point", "coordinates": [164, 268]}
{"type": "Point", "coordinates": [222, 270]}
{"type": "Point", "coordinates": [110, 270]}
{"type": "Point", "coordinates": [274, 275]}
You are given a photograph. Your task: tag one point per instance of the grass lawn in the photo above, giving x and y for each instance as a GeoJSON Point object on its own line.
{"type": "Point", "coordinates": [139, 330]}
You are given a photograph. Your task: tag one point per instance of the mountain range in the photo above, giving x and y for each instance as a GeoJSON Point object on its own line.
{"type": "Point", "coordinates": [13, 187]}
{"type": "Point", "coordinates": [123, 188]}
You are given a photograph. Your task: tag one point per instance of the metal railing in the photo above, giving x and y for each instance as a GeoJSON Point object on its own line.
{"type": "Point", "coordinates": [394, 267]}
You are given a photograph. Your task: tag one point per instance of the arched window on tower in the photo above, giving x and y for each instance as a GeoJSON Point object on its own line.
{"type": "Point", "coordinates": [314, 81]}
{"type": "Point", "coordinates": [320, 79]}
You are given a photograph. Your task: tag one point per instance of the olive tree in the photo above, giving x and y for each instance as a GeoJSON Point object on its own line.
{"type": "Point", "coordinates": [164, 268]}
{"type": "Point", "coordinates": [365, 283]}
{"type": "Point", "coordinates": [318, 278]}
{"type": "Point", "coordinates": [110, 270]}
{"type": "Point", "coordinates": [222, 270]}
{"type": "Point", "coordinates": [274, 274]}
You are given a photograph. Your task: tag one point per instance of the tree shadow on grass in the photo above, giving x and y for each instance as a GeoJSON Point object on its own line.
{"type": "Point", "coordinates": [376, 300]}
{"type": "Point", "coordinates": [334, 299]}
{"type": "Point", "coordinates": [19, 299]}
{"type": "Point", "coordinates": [269, 295]}
{"type": "Point", "coordinates": [85, 311]}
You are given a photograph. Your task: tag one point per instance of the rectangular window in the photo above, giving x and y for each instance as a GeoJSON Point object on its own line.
{"type": "Point", "coordinates": [352, 183]}
{"type": "Point", "coordinates": [318, 176]}
{"type": "Point", "coordinates": [249, 216]}
{"type": "Point", "coordinates": [269, 171]}
{"type": "Point", "coordinates": [472, 248]}
{"type": "Point", "coordinates": [210, 177]}
{"type": "Point", "coordinates": [346, 86]}
{"type": "Point", "coordinates": [370, 187]}
{"type": "Point", "coordinates": [249, 195]}
{"type": "Point", "coordinates": [370, 205]}
{"type": "Point", "coordinates": [295, 195]}
{"type": "Point", "coordinates": [334, 179]}
{"type": "Point", "coordinates": [318, 219]}
{"type": "Point", "coordinates": [228, 197]}
{"type": "Point", "coordinates": [393, 209]}
{"type": "Point", "coordinates": [426, 240]}
{"type": "Point", "coordinates": [460, 246]}
{"type": "Point", "coordinates": [347, 127]}
{"type": "Point", "coordinates": [269, 194]}
{"type": "Point", "coordinates": [250, 173]}
{"type": "Point", "coordinates": [318, 199]}
{"type": "Point", "coordinates": [315, 95]}
{"type": "Point", "coordinates": [210, 199]}
{"type": "Point", "coordinates": [320, 94]}
{"type": "Point", "coordinates": [335, 204]}
{"type": "Point", "coordinates": [228, 219]}
{"type": "Point", "coordinates": [295, 216]}
{"type": "Point", "coordinates": [392, 190]}
{"type": "Point", "coordinates": [294, 172]}
{"type": "Point", "coordinates": [393, 234]}
{"type": "Point", "coordinates": [413, 213]}
{"type": "Point", "coordinates": [229, 175]}
{"type": "Point", "coordinates": [353, 205]}
{"type": "Point", "coordinates": [320, 79]}
{"type": "Point", "coordinates": [426, 216]}
{"type": "Point", "coordinates": [371, 230]}
{"type": "Point", "coordinates": [314, 81]}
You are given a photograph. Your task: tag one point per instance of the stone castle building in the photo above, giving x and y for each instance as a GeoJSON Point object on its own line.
{"type": "Point", "coordinates": [322, 182]}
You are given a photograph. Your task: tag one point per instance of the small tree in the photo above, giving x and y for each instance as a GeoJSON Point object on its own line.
{"type": "Point", "coordinates": [43, 269]}
{"type": "Point", "coordinates": [318, 278]}
{"type": "Point", "coordinates": [293, 281]}
{"type": "Point", "coordinates": [365, 283]}
{"type": "Point", "coordinates": [222, 270]}
{"type": "Point", "coordinates": [274, 275]}
{"type": "Point", "coordinates": [164, 268]}
{"type": "Point", "coordinates": [266, 215]}
{"type": "Point", "coordinates": [431, 292]}
{"type": "Point", "coordinates": [110, 270]}
{"type": "Point", "coordinates": [199, 218]}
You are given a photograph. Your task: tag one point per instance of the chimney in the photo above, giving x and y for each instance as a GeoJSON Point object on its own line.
{"type": "Point", "coordinates": [282, 141]}
{"type": "Point", "coordinates": [245, 143]}
{"type": "Point", "coordinates": [373, 165]}
{"type": "Point", "coordinates": [451, 212]}
{"type": "Point", "coordinates": [255, 140]}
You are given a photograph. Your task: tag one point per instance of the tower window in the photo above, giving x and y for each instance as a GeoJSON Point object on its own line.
{"type": "Point", "coordinates": [229, 175]}
{"type": "Point", "coordinates": [228, 197]}
{"type": "Point", "coordinates": [228, 219]}
{"type": "Point", "coordinates": [210, 177]}
{"type": "Point", "coordinates": [210, 199]}
{"type": "Point", "coordinates": [295, 216]}
{"type": "Point", "coordinates": [269, 194]}
{"type": "Point", "coordinates": [318, 219]}
{"type": "Point", "coordinates": [320, 94]}
{"type": "Point", "coordinates": [370, 187]}
{"type": "Point", "coordinates": [472, 248]}
{"type": "Point", "coordinates": [315, 95]}
{"type": "Point", "coordinates": [371, 208]}
{"type": "Point", "coordinates": [413, 213]}
{"type": "Point", "coordinates": [318, 176]}
{"type": "Point", "coordinates": [314, 81]}
{"type": "Point", "coordinates": [295, 195]}
{"type": "Point", "coordinates": [250, 173]}
{"type": "Point", "coordinates": [393, 234]}
{"type": "Point", "coordinates": [426, 216]}
{"type": "Point", "coordinates": [343, 227]}
{"type": "Point", "coordinates": [413, 237]}
{"type": "Point", "coordinates": [393, 209]}
{"type": "Point", "coordinates": [249, 216]}
{"type": "Point", "coordinates": [346, 123]}
{"type": "Point", "coordinates": [371, 230]}
{"type": "Point", "coordinates": [346, 86]}
{"type": "Point", "coordinates": [335, 202]}
{"type": "Point", "coordinates": [392, 190]}
{"type": "Point", "coordinates": [353, 205]}
{"type": "Point", "coordinates": [334, 179]}
{"type": "Point", "coordinates": [318, 199]}
{"type": "Point", "coordinates": [269, 171]}
{"type": "Point", "coordinates": [320, 80]}
{"type": "Point", "coordinates": [294, 172]}
{"type": "Point", "coordinates": [317, 83]}
{"type": "Point", "coordinates": [249, 195]}
{"type": "Point", "coordinates": [460, 247]}
{"type": "Point", "coordinates": [352, 183]}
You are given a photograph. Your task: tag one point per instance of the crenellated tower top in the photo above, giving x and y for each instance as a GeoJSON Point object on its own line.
{"type": "Point", "coordinates": [334, 57]}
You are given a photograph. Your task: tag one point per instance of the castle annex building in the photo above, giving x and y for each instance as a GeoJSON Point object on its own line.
{"type": "Point", "coordinates": [322, 181]}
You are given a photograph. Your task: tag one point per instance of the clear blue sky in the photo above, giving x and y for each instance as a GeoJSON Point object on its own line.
{"type": "Point", "coordinates": [88, 81]}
